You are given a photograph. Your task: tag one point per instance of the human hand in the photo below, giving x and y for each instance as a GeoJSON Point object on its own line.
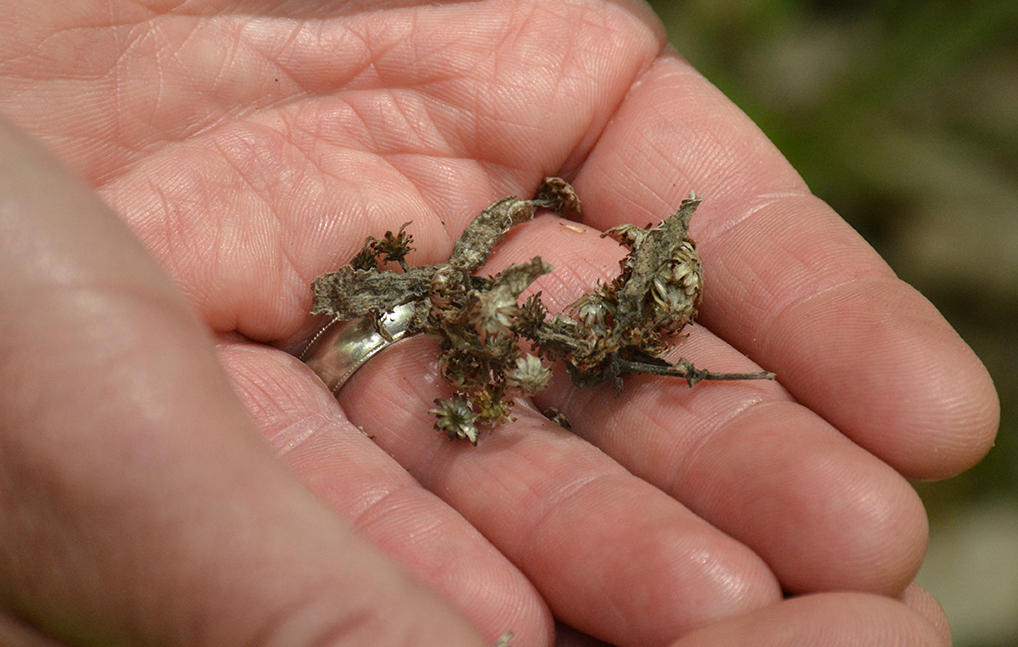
{"type": "Point", "coordinates": [252, 149]}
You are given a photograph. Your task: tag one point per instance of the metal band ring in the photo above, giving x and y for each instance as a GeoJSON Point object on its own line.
{"type": "Point", "coordinates": [342, 347]}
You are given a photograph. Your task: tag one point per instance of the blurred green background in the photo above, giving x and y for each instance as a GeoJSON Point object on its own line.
{"type": "Point", "coordinates": [903, 116]}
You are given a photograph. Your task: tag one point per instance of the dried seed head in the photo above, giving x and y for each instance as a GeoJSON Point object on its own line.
{"type": "Point", "coordinates": [492, 406]}
{"type": "Point", "coordinates": [492, 313]}
{"type": "Point", "coordinates": [367, 258]}
{"type": "Point", "coordinates": [446, 287]}
{"type": "Point", "coordinates": [456, 419]}
{"type": "Point", "coordinates": [593, 311]}
{"type": "Point", "coordinates": [395, 247]}
{"type": "Point", "coordinates": [531, 316]}
{"type": "Point", "coordinates": [676, 289]}
{"type": "Point", "coordinates": [529, 375]}
{"type": "Point", "coordinates": [555, 194]}
{"type": "Point", "coordinates": [629, 235]}
{"type": "Point", "coordinates": [463, 370]}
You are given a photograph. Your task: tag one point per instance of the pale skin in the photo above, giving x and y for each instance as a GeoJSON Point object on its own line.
{"type": "Point", "coordinates": [240, 149]}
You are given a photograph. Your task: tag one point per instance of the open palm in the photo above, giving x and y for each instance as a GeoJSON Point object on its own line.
{"type": "Point", "coordinates": [252, 146]}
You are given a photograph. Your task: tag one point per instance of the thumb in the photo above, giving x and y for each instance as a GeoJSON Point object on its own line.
{"type": "Point", "coordinates": [138, 503]}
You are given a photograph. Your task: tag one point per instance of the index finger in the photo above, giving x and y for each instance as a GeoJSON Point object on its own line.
{"type": "Point", "coordinates": [788, 282]}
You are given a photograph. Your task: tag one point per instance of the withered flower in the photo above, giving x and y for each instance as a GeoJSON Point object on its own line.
{"type": "Point", "coordinates": [529, 375]}
{"type": "Point", "coordinates": [594, 311]}
{"type": "Point", "coordinates": [456, 418]}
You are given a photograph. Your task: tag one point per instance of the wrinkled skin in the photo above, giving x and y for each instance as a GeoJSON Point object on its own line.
{"type": "Point", "coordinates": [241, 149]}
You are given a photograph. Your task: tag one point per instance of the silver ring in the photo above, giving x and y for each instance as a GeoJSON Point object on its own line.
{"type": "Point", "coordinates": [342, 347]}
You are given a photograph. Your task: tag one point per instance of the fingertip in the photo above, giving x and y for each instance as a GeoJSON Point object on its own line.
{"type": "Point", "coordinates": [922, 602]}
{"type": "Point", "coordinates": [823, 513]}
{"type": "Point", "coordinates": [876, 359]}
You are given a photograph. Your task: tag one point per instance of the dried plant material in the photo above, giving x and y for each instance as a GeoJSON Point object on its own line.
{"type": "Point", "coordinates": [556, 416]}
{"type": "Point", "coordinates": [493, 348]}
{"type": "Point", "coordinates": [456, 418]}
{"type": "Point", "coordinates": [504, 639]}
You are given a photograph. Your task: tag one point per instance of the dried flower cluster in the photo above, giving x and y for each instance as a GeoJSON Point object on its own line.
{"type": "Point", "coordinates": [495, 348]}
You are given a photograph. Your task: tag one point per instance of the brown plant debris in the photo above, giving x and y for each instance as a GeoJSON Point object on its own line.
{"type": "Point", "coordinates": [493, 347]}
